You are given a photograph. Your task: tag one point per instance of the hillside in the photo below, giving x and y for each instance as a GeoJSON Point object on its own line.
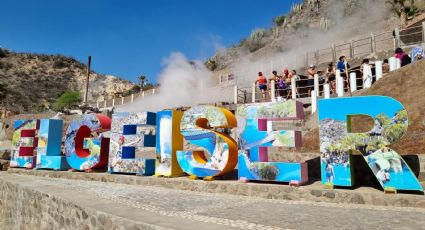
{"type": "Point", "coordinates": [32, 82]}
{"type": "Point", "coordinates": [309, 26]}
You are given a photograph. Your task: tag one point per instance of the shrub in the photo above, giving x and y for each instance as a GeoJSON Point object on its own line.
{"type": "Point", "coordinates": [59, 64]}
{"type": "Point", "coordinates": [67, 99]}
{"type": "Point", "coordinates": [255, 40]}
{"type": "Point", "coordinates": [279, 20]}
{"type": "Point", "coordinates": [211, 64]}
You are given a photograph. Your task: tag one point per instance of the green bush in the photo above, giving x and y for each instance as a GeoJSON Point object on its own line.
{"type": "Point", "coordinates": [67, 100]}
{"type": "Point", "coordinates": [211, 64]}
{"type": "Point", "coordinates": [279, 20]}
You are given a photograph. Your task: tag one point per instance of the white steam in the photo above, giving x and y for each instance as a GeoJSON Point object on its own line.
{"type": "Point", "coordinates": [366, 17]}
{"type": "Point", "coordinates": [182, 83]}
{"type": "Point", "coordinates": [185, 84]}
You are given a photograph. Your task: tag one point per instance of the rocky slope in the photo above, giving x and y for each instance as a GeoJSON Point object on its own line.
{"type": "Point", "coordinates": [32, 82]}
{"type": "Point", "coordinates": [309, 26]}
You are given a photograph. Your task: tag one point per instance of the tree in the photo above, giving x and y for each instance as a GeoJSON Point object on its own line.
{"type": "Point", "coordinates": [142, 79]}
{"type": "Point", "coordinates": [67, 100]}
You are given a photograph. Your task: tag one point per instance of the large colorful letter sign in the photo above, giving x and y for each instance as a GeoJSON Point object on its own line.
{"type": "Point", "coordinates": [337, 142]}
{"type": "Point", "coordinates": [24, 142]}
{"type": "Point", "coordinates": [256, 136]}
{"type": "Point", "coordinates": [131, 134]}
{"type": "Point", "coordinates": [49, 154]}
{"type": "Point", "coordinates": [85, 146]}
{"type": "Point", "coordinates": [168, 141]}
{"type": "Point", "coordinates": [198, 127]}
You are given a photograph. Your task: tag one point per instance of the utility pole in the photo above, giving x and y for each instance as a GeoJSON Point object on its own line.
{"type": "Point", "coordinates": [86, 92]}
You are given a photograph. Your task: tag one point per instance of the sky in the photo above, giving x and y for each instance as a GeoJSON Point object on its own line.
{"type": "Point", "coordinates": [129, 38]}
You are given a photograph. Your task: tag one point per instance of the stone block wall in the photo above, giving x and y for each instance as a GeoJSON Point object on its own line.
{"type": "Point", "coordinates": [25, 208]}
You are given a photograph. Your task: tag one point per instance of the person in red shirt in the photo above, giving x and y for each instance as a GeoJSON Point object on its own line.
{"type": "Point", "coordinates": [262, 84]}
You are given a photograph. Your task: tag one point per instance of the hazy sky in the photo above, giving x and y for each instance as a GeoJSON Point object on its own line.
{"type": "Point", "coordinates": [128, 38]}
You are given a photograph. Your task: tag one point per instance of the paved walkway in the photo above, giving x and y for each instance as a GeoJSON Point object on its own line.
{"type": "Point", "coordinates": [177, 209]}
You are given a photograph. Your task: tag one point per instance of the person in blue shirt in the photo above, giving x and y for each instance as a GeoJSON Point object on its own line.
{"type": "Point", "coordinates": [341, 64]}
{"type": "Point", "coordinates": [343, 67]}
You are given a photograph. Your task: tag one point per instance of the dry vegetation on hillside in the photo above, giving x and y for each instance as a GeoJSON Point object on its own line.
{"type": "Point", "coordinates": [32, 82]}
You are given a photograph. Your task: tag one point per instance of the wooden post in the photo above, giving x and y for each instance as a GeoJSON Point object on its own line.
{"type": "Point", "coordinates": [316, 84]}
{"type": "Point", "coordinates": [272, 91]}
{"type": "Point", "coordinates": [339, 84]}
{"type": "Point", "coordinates": [367, 76]}
{"type": "Point", "coordinates": [253, 92]}
{"type": "Point", "coordinates": [86, 92]}
{"type": "Point", "coordinates": [372, 43]}
{"type": "Point", "coordinates": [313, 101]}
{"type": "Point", "coordinates": [235, 92]}
{"type": "Point", "coordinates": [392, 61]}
{"type": "Point", "coordinates": [327, 91]}
{"type": "Point", "coordinates": [353, 81]}
{"type": "Point", "coordinates": [378, 69]}
{"type": "Point", "coordinates": [396, 38]}
{"type": "Point", "coordinates": [423, 32]}
{"type": "Point", "coordinates": [351, 49]}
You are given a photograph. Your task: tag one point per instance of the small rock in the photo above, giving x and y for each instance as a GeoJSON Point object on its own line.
{"type": "Point", "coordinates": [316, 193]}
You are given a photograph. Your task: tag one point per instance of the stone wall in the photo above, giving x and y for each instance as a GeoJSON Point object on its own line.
{"type": "Point", "coordinates": [25, 208]}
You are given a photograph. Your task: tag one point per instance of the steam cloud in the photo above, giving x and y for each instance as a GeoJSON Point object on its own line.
{"type": "Point", "coordinates": [185, 84]}
{"type": "Point", "coordinates": [182, 83]}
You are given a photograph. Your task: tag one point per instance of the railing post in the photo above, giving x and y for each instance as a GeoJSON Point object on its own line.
{"type": "Point", "coordinates": [327, 91]}
{"type": "Point", "coordinates": [396, 38]}
{"type": "Point", "coordinates": [254, 86]}
{"type": "Point", "coordinates": [353, 81]}
{"type": "Point", "coordinates": [272, 91]}
{"type": "Point", "coordinates": [423, 32]}
{"type": "Point", "coordinates": [351, 49]}
{"type": "Point", "coordinates": [97, 104]}
{"type": "Point", "coordinates": [367, 76]}
{"type": "Point", "coordinates": [104, 104]}
{"type": "Point", "coordinates": [392, 61]}
{"type": "Point", "coordinates": [293, 88]}
{"type": "Point", "coordinates": [235, 92]}
{"type": "Point", "coordinates": [122, 100]}
{"type": "Point", "coordinates": [153, 91]}
{"type": "Point", "coordinates": [372, 43]}
{"type": "Point", "coordinates": [143, 94]}
{"type": "Point", "coordinates": [313, 101]}
{"type": "Point", "coordinates": [316, 84]}
{"type": "Point", "coordinates": [339, 84]}
{"type": "Point", "coordinates": [113, 102]}
{"type": "Point", "coordinates": [306, 59]}
{"type": "Point", "coordinates": [132, 98]}
{"type": "Point", "coordinates": [378, 70]}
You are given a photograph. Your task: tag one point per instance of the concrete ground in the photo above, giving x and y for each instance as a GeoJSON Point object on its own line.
{"type": "Point", "coordinates": [158, 207]}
